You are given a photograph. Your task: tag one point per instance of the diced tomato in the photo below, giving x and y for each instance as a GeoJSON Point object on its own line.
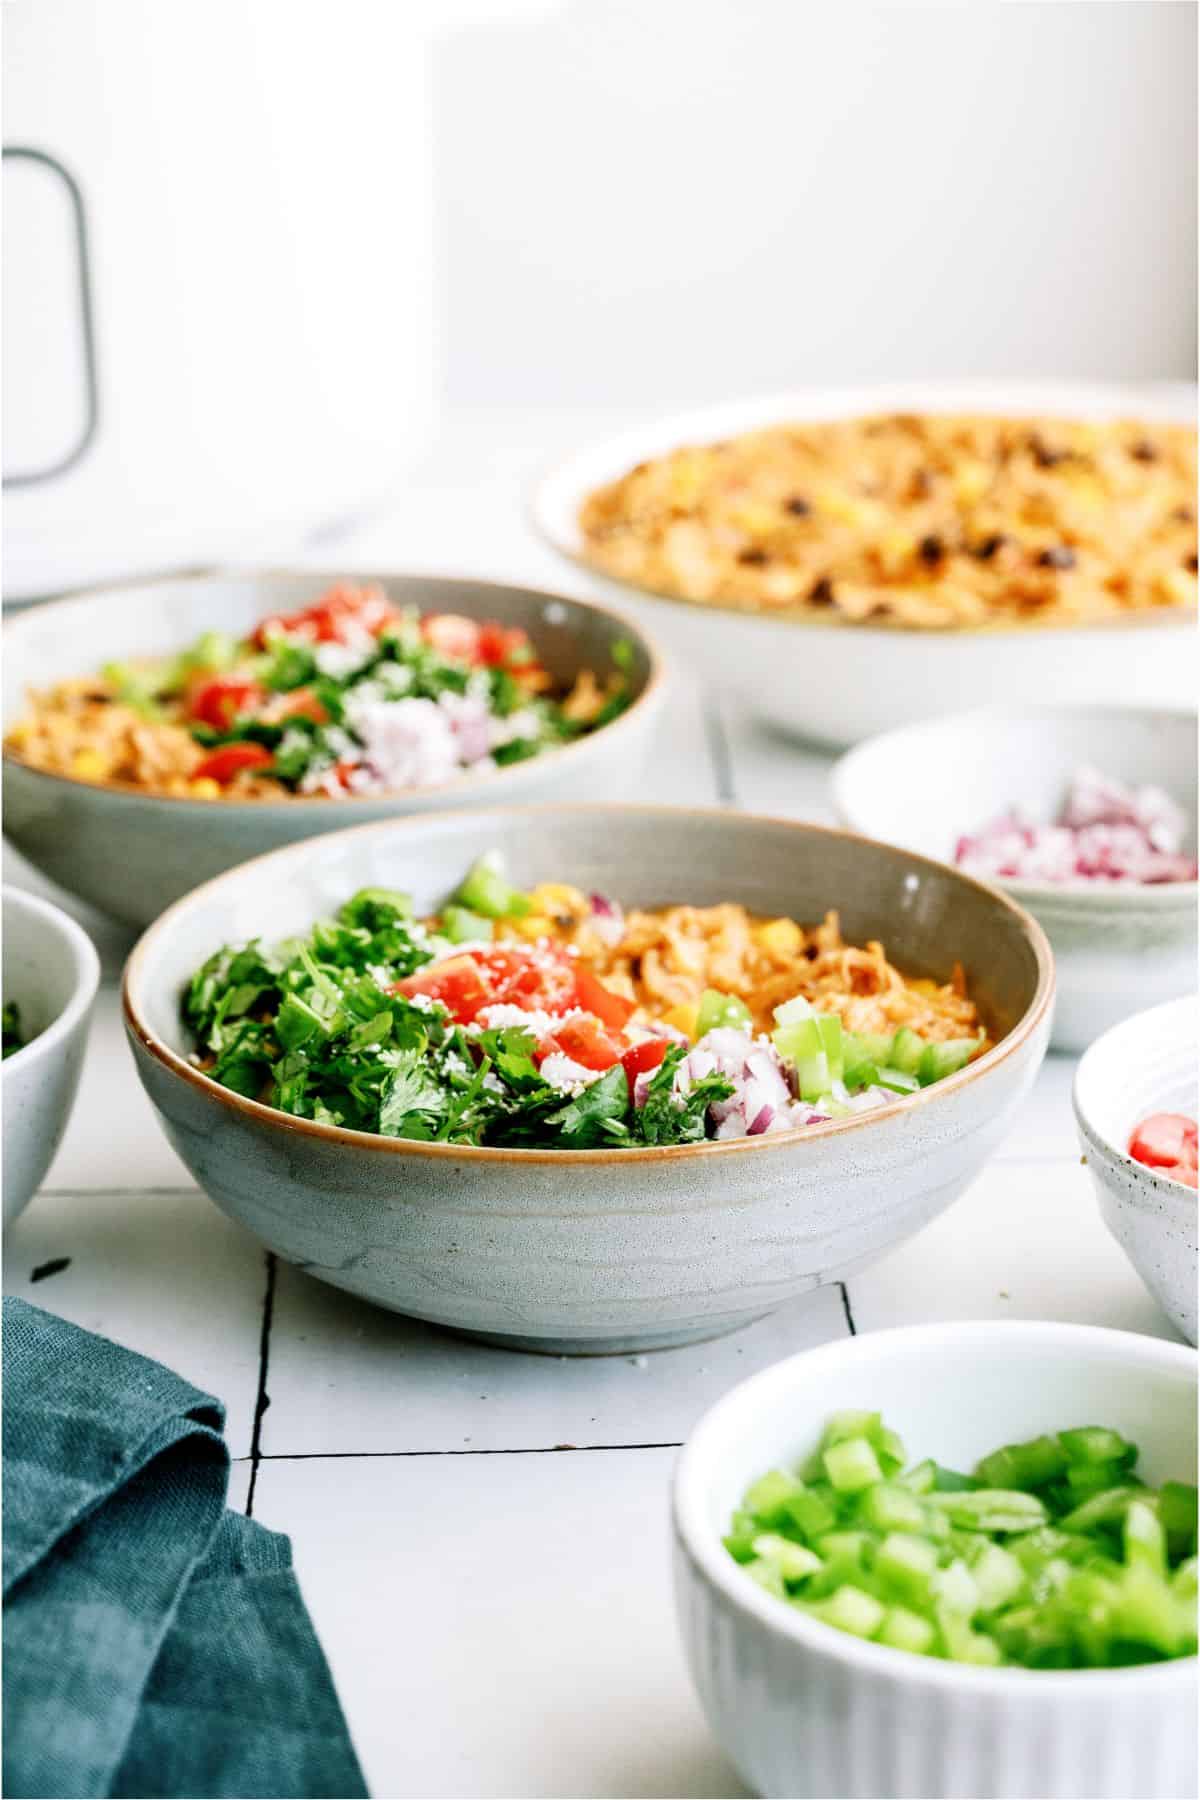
{"type": "Point", "coordinates": [1167, 1141]}
{"type": "Point", "coordinates": [223, 764]}
{"type": "Point", "coordinates": [585, 1042]}
{"type": "Point", "coordinates": [342, 611]}
{"type": "Point", "coordinates": [503, 646]}
{"type": "Point", "coordinates": [300, 703]}
{"type": "Point", "coordinates": [219, 702]}
{"type": "Point", "coordinates": [452, 635]}
{"type": "Point", "coordinates": [611, 1009]}
{"type": "Point", "coordinates": [642, 1058]}
{"type": "Point", "coordinates": [537, 980]}
{"type": "Point", "coordinates": [458, 983]}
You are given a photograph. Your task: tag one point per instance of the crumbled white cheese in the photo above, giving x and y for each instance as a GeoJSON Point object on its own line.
{"type": "Point", "coordinates": [497, 1016]}
{"type": "Point", "coordinates": [341, 660]}
{"type": "Point", "coordinates": [569, 1076]}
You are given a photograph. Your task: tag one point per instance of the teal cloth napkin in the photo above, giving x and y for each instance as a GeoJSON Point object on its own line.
{"type": "Point", "coordinates": [155, 1644]}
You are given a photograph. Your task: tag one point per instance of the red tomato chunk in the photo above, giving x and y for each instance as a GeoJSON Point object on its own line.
{"type": "Point", "coordinates": [1167, 1141]}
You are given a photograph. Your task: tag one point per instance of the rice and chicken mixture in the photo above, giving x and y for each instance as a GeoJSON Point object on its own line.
{"type": "Point", "coordinates": [349, 695]}
{"type": "Point", "coordinates": [665, 959]}
{"type": "Point", "coordinates": [914, 521]}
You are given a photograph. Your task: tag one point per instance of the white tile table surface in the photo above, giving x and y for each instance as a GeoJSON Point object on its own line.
{"type": "Point", "coordinates": [481, 1534]}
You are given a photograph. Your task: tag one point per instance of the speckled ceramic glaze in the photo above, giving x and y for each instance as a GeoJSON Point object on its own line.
{"type": "Point", "coordinates": [132, 854]}
{"type": "Point", "coordinates": [600, 1250]}
{"type": "Point", "coordinates": [1116, 948]}
{"type": "Point", "coordinates": [52, 972]}
{"type": "Point", "coordinates": [1147, 1064]}
{"type": "Point", "coordinates": [834, 682]}
{"type": "Point", "coordinates": [805, 1711]}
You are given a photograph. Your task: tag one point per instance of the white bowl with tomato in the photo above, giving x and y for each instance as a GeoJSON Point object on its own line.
{"type": "Point", "coordinates": [1135, 1101]}
{"type": "Point", "coordinates": [161, 733]}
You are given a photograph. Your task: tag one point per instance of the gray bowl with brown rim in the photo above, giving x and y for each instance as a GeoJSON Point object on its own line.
{"type": "Point", "coordinates": [600, 1250]}
{"type": "Point", "coordinates": [131, 853]}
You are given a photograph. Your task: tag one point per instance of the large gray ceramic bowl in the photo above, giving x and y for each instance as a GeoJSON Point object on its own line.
{"type": "Point", "coordinates": [600, 1250]}
{"type": "Point", "coordinates": [131, 853]}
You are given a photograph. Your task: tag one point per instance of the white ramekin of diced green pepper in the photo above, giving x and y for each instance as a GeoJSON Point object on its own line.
{"type": "Point", "coordinates": [954, 1559]}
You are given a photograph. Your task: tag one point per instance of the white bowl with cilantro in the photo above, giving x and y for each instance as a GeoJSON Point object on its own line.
{"type": "Point", "coordinates": [159, 733]}
{"type": "Point", "coordinates": [985, 1539]}
{"type": "Point", "coordinates": [333, 1108]}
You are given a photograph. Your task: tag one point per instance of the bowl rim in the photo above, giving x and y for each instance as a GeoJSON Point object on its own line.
{"type": "Point", "coordinates": [86, 967]}
{"type": "Point", "coordinates": [472, 782]}
{"type": "Point", "coordinates": [1111, 897]}
{"type": "Point", "coordinates": [702, 1545]}
{"type": "Point", "coordinates": [255, 1111]}
{"type": "Point", "coordinates": [562, 479]}
{"type": "Point", "coordinates": [1098, 1141]}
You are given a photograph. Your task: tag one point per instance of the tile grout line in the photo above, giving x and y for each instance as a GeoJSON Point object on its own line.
{"type": "Point", "coordinates": [262, 1398]}
{"type": "Point", "coordinates": [718, 749]}
{"type": "Point", "coordinates": [498, 1450]}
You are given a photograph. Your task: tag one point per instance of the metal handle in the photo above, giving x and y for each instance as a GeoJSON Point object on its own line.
{"type": "Point", "coordinates": [27, 478]}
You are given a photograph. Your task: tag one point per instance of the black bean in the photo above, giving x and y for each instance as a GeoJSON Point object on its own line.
{"type": "Point", "coordinates": [1059, 556]}
{"type": "Point", "coordinates": [821, 592]}
{"type": "Point", "coordinates": [797, 505]}
{"type": "Point", "coordinates": [1144, 451]}
{"type": "Point", "coordinates": [988, 546]}
{"type": "Point", "coordinates": [932, 548]}
{"type": "Point", "coordinates": [753, 558]}
{"type": "Point", "coordinates": [1189, 563]}
{"type": "Point", "coordinates": [1043, 455]}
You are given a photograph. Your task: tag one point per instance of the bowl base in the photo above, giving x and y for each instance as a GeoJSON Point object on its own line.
{"type": "Point", "coordinates": [622, 1344]}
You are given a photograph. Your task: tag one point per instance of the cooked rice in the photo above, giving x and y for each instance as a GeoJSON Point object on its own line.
{"type": "Point", "coordinates": [921, 522]}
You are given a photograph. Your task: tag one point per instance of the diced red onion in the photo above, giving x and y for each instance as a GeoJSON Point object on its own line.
{"type": "Point", "coordinates": [1105, 832]}
{"type": "Point", "coordinates": [608, 920]}
{"type": "Point", "coordinates": [761, 1121]}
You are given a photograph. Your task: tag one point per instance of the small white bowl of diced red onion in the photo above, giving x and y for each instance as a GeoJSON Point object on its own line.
{"type": "Point", "coordinates": [1085, 815]}
{"type": "Point", "coordinates": [1135, 1100]}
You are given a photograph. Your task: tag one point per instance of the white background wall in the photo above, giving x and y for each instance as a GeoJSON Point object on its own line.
{"type": "Point", "coordinates": [644, 201]}
{"type": "Point", "coordinates": [322, 230]}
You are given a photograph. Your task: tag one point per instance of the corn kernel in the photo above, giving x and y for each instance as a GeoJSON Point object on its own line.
{"type": "Point", "coordinates": [923, 985]}
{"type": "Point", "coordinates": [782, 937]}
{"type": "Point", "coordinates": [755, 518]}
{"type": "Point", "coordinates": [535, 925]}
{"type": "Point", "coordinates": [971, 483]}
{"type": "Point", "coordinates": [558, 896]}
{"type": "Point", "coordinates": [896, 546]}
{"type": "Point", "coordinates": [20, 733]}
{"type": "Point", "coordinates": [90, 765]}
{"type": "Point", "coordinates": [683, 1018]}
{"type": "Point", "coordinates": [1180, 586]}
{"type": "Point", "coordinates": [205, 788]}
{"type": "Point", "coordinates": [840, 506]}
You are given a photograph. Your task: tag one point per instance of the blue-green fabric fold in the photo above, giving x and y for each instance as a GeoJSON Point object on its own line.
{"type": "Point", "coordinates": [154, 1643]}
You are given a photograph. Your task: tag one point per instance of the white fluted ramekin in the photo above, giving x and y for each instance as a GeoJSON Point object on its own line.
{"type": "Point", "coordinates": [805, 1710]}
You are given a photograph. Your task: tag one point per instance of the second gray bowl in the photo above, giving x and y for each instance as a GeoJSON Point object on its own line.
{"type": "Point", "coordinates": [132, 853]}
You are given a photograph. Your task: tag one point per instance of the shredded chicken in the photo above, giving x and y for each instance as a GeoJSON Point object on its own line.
{"type": "Point", "coordinates": [665, 959]}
